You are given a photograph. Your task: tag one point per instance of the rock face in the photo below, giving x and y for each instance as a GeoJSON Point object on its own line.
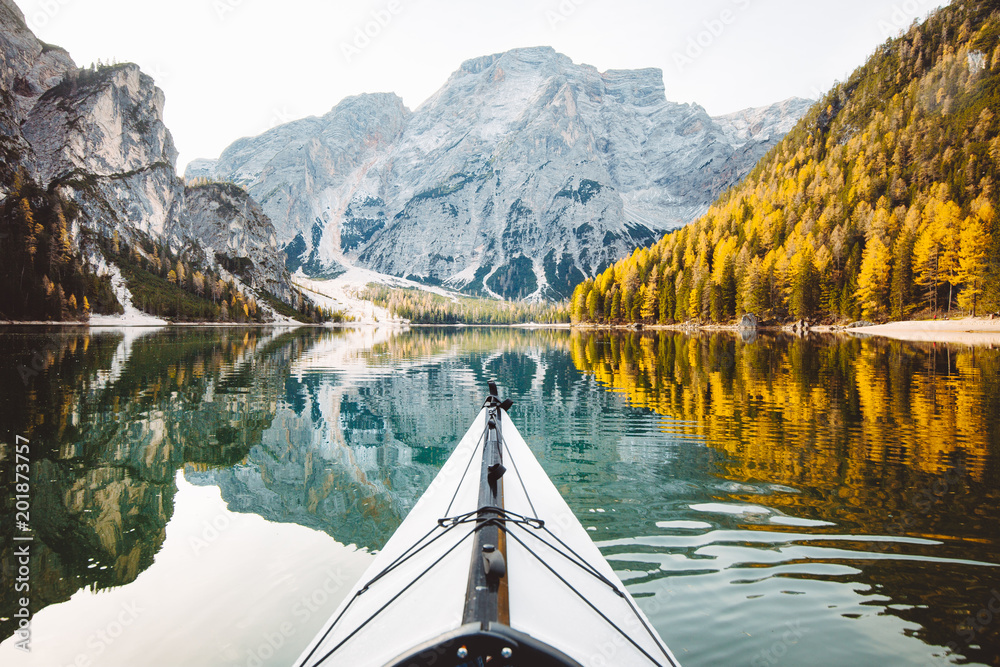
{"type": "Point", "coordinates": [99, 137]}
{"type": "Point", "coordinates": [96, 136]}
{"type": "Point", "coordinates": [308, 172]}
{"type": "Point", "coordinates": [110, 121]}
{"type": "Point", "coordinates": [763, 124]}
{"type": "Point", "coordinates": [27, 69]}
{"type": "Point", "coordinates": [230, 224]}
{"type": "Point", "coordinates": [523, 174]}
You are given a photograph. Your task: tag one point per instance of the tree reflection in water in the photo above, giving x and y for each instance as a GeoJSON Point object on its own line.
{"type": "Point", "coordinates": [721, 476]}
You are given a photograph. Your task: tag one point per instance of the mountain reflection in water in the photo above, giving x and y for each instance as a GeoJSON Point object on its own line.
{"type": "Point", "coordinates": [841, 492]}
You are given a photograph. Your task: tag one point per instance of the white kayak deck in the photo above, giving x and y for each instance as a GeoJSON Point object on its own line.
{"type": "Point", "coordinates": [562, 591]}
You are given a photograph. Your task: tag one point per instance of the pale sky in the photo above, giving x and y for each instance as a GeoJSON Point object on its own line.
{"type": "Point", "coordinates": [233, 68]}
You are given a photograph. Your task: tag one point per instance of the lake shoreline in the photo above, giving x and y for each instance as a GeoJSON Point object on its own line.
{"type": "Point", "coordinates": [164, 325]}
{"type": "Point", "coordinates": [968, 330]}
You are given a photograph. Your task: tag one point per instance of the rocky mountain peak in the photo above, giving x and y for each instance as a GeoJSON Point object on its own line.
{"type": "Point", "coordinates": [638, 87]}
{"type": "Point", "coordinates": [758, 124]}
{"type": "Point", "coordinates": [364, 104]}
{"type": "Point", "coordinates": [533, 57]}
{"type": "Point", "coordinates": [94, 141]}
{"type": "Point", "coordinates": [110, 120]}
{"type": "Point", "coordinates": [522, 174]}
{"type": "Point", "coordinates": [28, 67]}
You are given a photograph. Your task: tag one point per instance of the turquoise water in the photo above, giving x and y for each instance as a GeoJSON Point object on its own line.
{"type": "Point", "coordinates": [207, 496]}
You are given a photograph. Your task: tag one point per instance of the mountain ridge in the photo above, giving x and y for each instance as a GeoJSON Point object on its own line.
{"type": "Point", "coordinates": [521, 175]}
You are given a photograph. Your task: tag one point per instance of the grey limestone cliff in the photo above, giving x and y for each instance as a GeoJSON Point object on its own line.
{"type": "Point", "coordinates": [96, 137]}
{"type": "Point", "coordinates": [524, 173]}
{"type": "Point", "coordinates": [28, 68]}
{"type": "Point", "coordinates": [233, 229]}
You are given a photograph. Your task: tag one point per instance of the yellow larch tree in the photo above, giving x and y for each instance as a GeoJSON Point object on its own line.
{"type": "Point", "coordinates": [972, 256]}
{"type": "Point", "coordinates": [873, 280]}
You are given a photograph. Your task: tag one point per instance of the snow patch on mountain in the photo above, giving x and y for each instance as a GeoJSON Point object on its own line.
{"type": "Point", "coordinates": [132, 317]}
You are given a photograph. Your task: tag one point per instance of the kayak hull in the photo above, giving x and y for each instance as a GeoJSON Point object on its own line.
{"type": "Point", "coordinates": [545, 587]}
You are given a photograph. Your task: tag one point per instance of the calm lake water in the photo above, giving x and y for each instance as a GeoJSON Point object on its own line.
{"type": "Point", "coordinates": [208, 496]}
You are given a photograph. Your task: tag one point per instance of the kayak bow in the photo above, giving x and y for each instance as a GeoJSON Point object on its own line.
{"type": "Point", "coordinates": [490, 567]}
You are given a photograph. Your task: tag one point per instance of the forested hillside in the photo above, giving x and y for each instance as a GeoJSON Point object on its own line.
{"type": "Point", "coordinates": [428, 308]}
{"type": "Point", "coordinates": [93, 218]}
{"type": "Point", "coordinates": [880, 204]}
{"type": "Point", "coordinates": [42, 276]}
